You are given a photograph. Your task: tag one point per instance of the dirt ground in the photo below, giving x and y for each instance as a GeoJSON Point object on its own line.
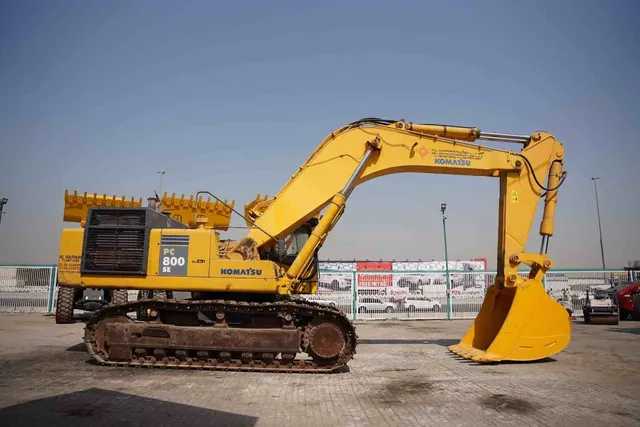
{"type": "Point", "coordinates": [402, 375]}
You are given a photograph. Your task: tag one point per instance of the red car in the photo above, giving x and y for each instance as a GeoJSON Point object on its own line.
{"type": "Point", "coordinates": [627, 296]}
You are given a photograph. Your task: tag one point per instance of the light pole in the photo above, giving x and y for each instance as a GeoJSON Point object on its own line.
{"type": "Point", "coordinates": [2, 203]}
{"type": "Point", "coordinates": [443, 208]}
{"type": "Point", "coordinates": [161, 176]}
{"type": "Point", "coordinates": [599, 226]}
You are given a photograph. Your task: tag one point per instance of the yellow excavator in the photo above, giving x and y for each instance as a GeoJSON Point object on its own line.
{"type": "Point", "coordinates": [245, 312]}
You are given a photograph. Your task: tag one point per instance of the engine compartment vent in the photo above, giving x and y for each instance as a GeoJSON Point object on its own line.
{"type": "Point", "coordinates": [116, 240]}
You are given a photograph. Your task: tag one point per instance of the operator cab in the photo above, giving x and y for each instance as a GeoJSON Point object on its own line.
{"type": "Point", "coordinates": [294, 244]}
{"type": "Point", "coordinates": [288, 249]}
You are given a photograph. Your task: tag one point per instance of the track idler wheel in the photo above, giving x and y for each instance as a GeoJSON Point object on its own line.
{"type": "Point", "coordinates": [100, 338]}
{"type": "Point", "coordinates": [326, 341]}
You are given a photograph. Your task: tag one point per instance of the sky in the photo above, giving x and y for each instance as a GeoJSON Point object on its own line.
{"type": "Point", "coordinates": [232, 97]}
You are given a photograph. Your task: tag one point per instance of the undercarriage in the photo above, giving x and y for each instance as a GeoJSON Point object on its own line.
{"type": "Point", "coordinates": [283, 336]}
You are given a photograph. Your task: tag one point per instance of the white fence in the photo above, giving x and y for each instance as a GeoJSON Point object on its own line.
{"type": "Point", "coordinates": [403, 295]}
{"type": "Point", "coordinates": [360, 294]}
{"type": "Point", "coordinates": [423, 294]}
{"type": "Point", "coordinates": [31, 288]}
{"type": "Point", "coordinates": [26, 288]}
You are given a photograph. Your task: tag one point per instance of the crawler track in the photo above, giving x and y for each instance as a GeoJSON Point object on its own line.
{"type": "Point", "coordinates": [270, 341]}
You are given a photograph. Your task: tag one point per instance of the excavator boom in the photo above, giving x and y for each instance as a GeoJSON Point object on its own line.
{"type": "Point", "coordinates": [244, 313]}
{"type": "Point", "coordinates": [398, 147]}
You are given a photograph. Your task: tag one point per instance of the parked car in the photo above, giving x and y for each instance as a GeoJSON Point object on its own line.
{"type": "Point", "coordinates": [412, 303]}
{"type": "Point", "coordinates": [335, 282]}
{"type": "Point", "coordinates": [413, 281]}
{"type": "Point", "coordinates": [366, 304]}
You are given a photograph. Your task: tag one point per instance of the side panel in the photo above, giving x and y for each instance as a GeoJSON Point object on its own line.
{"type": "Point", "coordinates": [178, 260]}
{"type": "Point", "coordinates": [226, 276]}
{"type": "Point", "coordinates": [233, 273]}
{"type": "Point", "coordinates": [70, 256]}
{"type": "Point", "coordinates": [179, 253]}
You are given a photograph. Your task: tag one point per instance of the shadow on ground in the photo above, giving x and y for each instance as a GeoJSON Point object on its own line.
{"type": "Point", "coordinates": [98, 407]}
{"type": "Point", "coordinates": [77, 318]}
{"type": "Point", "coordinates": [81, 347]}
{"type": "Point", "coordinates": [634, 330]}
{"type": "Point", "coordinates": [503, 362]}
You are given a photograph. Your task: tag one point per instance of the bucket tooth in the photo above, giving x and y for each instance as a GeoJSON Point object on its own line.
{"type": "Point", "coordinates": [467, 354]}
{"type": "Point", "coordinates": [476, 355]}
{"type": "Point", "coordinates": [463, 351]}
{"type": "Point", "coordinates": [455, 348]}
{"type": "Point", "coordinates": [484, 357]}
{"type": "Point", "coordinates": [460, 348]}
{"type": "Point", "coordinates": [470, 353]}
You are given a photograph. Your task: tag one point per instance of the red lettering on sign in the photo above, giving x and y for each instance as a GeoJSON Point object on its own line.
{"type": "Point", "coordinates": [374, 266]}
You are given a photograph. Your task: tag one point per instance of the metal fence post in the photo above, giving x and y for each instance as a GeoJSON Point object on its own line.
{"type": "Point", "coordinates": [52, 287]}
{"type": "Point", "coordinates": [443, 208]}
{"type": "Point", "coordinates": [354, 295]}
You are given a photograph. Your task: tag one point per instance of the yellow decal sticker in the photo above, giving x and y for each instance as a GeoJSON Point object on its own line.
{"type": "Point", "coordinates": [514, 196]}
{"type": "Point", "coordinates": [69, 263]}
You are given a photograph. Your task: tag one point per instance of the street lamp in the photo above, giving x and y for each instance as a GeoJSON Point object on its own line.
{"type": "Point", "coordinates": [2, 203]}
{"type": "Point", "coordinates": [161, 176]}
{"type": "Point", "coordinates": [443, 208]}
{"type": "Point", "coordinates": [599, 226]}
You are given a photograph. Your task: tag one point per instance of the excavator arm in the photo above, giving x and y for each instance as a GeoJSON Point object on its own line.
{"type": "Point", "coordinates": [371, 148]}
{"type": "Point", "coordinates": [517, 320]}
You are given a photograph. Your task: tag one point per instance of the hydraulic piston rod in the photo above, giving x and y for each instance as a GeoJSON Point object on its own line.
{"type": "Point", "coordinates": [329, 219]}
{"type": "Point", "coordinates": [548, 215]}
{"type": "Point", "coordinates": [455, 132]}
{"type": "Point", "coordinates": [504, 137]}
{"type": "Point", "coordinates": [464, 133]}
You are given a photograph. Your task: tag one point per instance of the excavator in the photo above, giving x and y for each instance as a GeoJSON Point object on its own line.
{"type": "Point", "coordinates": [245, 312]}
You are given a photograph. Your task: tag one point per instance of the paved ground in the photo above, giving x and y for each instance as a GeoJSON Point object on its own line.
{"type": "Point", "coordinates": [402, 375]}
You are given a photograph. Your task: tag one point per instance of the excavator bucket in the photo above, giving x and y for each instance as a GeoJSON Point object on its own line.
{"type": "Point", "coordinates": [519, 323]}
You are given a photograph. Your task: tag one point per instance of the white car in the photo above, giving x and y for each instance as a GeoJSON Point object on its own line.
{"type": "Point", "coordinates": [412, 280]}
{"type": "Point", "coordinates": [366, 304]}
{"type": "Point", "coordinates": [421, 303]}
{"type": "Point", "coordinates": [335, 282]}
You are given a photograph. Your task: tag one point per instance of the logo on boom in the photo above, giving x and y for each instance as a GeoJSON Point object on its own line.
{"type": "Point", "coordinates": [452, 162]}
{"type": "Point", "coordinates": [241, 271]}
